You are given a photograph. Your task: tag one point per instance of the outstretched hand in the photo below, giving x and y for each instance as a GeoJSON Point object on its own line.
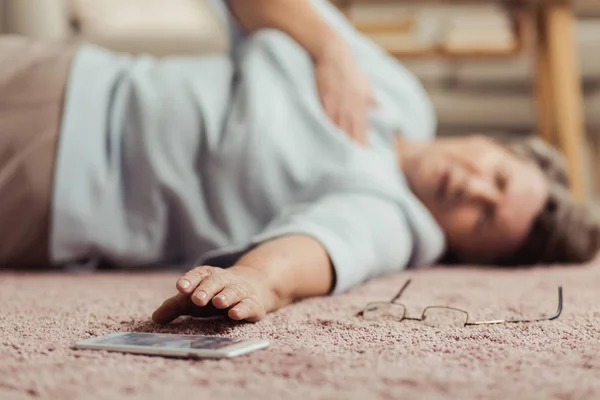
{"type": "Point", "coordinates": [344, 91]}
{"type": "Point", "coordinates": [241, 293]}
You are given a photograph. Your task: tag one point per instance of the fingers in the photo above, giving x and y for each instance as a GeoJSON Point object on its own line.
{"type": "Point", "coordinates": [205, 288]}
{"type": "Point", "coordinates": [346, 123]}
{"type": "Point", "coordinates": [230, 295]}
{"type": "Point", "coordinates": [349, 113]}
{"type": "Point", "coordinates": [202, 284]}
{"type": "Point", "coordinates": [190, 281]}
{"type": "Point", "coordinates": [360, 114]}
{"type": "Point", "coordinates": [359, 124]}
{"type": "Point", "coordinates": [346, 95]}
{"type": "Point", "coordinates": [171, 308]}
{"type": "Point", "coordinates": [208, 288]}
{"type": "Point", "coordinates": [208, 283]}
{"type": "Point", "coordinates": [248, 309]}
{"type": "Point", "coordinates": [354, 120]}
{"type": "Point", "coordinates": [330, 105]}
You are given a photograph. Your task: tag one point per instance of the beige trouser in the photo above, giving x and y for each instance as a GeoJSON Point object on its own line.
{"type": "Point", "coordinates": [33, 77]}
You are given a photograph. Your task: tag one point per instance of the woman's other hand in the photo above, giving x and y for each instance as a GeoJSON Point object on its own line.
{"type": "Point", "coordinates": [344, 91]}
{"type": "Point", "coordinates": [343, 88]}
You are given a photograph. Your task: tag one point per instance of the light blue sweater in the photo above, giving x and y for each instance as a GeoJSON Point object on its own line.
{"type": "Point", "coordinates": [188, 160]}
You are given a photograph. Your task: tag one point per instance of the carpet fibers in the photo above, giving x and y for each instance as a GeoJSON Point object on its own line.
{"type": "Point", "coordinates": [320, 349]}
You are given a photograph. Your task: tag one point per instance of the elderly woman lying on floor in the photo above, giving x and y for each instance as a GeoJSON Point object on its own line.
{"type": "Point", "coordinates": [233, 160]}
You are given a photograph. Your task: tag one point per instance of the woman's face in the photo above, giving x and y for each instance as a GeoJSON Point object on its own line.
{"type": "Point", "coordinates": [484, 197]}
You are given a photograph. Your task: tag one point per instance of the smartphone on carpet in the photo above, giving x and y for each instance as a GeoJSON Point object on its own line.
{"type": "Point", "coordinates": [171, 345]}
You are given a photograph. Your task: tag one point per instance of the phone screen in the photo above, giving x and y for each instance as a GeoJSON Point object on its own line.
{"type": "Point", "coordinates": [169, 341]}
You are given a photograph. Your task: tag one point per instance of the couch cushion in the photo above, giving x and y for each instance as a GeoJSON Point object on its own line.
{"type": "Point", "coordinates": [45, 20]}
{"type": "Point", "coordinates": [157, 27]}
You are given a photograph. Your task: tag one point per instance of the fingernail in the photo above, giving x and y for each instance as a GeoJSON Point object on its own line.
{"type": "Point", "coordinates": [201, 295]}
{"type": "Point", "coordinates": [222, 297]}
{"type": "Point", "coordinates": [240, 311]}
{"type": "Point", "coordinates": [184, 283]}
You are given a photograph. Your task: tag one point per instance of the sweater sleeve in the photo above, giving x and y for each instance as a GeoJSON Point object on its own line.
{"type": "Point", "coordinates": [364, 235]}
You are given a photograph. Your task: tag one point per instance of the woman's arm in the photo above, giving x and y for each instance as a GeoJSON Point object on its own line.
{"type": "Point", "coordinates": [269, 277]}
{"type": "Point", "coordinates": [343, 89]}
{"type": "Point", "coordinates": [297, 18]}
{"type": "Point", "coordinates": [311, 249]}
{"type": "Point", "coordinates": [296, 267]}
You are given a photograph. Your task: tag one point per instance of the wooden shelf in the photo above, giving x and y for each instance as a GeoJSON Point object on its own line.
{"type": "Point", "coordinates": [398, 38]}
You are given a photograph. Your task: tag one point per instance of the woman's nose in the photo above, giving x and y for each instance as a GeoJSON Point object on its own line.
{"type": "Point", "coordinates": [483, 190]}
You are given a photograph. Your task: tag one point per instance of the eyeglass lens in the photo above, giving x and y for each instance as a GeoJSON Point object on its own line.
{"type": "Point", "coordinates": [384, 310]}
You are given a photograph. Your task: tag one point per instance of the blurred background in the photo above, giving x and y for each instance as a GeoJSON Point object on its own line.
{"type": "Point", "coordinates": [475, 57]}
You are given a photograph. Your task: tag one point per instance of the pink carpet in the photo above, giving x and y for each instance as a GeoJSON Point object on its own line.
{"type": "Point", "coordinates": [320, 350]}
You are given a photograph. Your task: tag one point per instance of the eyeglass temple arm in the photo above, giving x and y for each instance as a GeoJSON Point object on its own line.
{"type": "Point", "coordinates": [560, 305]}
{"type": "Point", "coordinates": [397, 296]}
{"type": "Point", "coordinates": [548, 318]}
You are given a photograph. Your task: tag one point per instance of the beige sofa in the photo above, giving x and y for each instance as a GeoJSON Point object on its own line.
{"type": "Point", "coordinates": [468, 95]}
{"type": "Point", "coordinates": [163, 27]}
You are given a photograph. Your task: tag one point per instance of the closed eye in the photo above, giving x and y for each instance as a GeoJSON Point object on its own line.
{"type": "Point", "coordinates": [501, 180]}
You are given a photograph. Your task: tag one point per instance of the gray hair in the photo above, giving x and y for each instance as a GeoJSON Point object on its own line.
{"type": "Point", "coordinates": [565, 231]}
